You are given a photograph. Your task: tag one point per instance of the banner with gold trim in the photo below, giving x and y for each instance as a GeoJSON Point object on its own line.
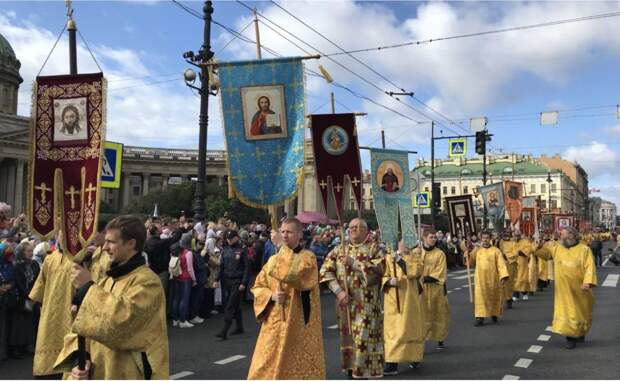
{"type": "Point", "coordinates": [67, 133]}
{"type": "Point", "coordinates": [513, 199]}
{"type": "Point", "coordinates": [263, 108]}
{"type": "Point", "coordinates": [336, 156]}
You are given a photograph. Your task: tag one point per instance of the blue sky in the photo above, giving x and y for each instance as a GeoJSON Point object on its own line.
{"type": "Point", "coordinates": [564, 67]}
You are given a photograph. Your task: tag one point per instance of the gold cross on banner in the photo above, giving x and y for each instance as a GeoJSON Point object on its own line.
{"type": "Point", "coordinates": [72, 192]}
{"type": "Point", "coordinates": [279, 152]}
{"type": "Point", "coordinates": [297, 148]}
{"type": "Point", "coordinates": [43, 188]}
{"type": "Point", "coordinates": [240, 177]}
{"type": "Point", "coordinates": [234, 134]}
{"type": "Point", "coordinates": [237, 154]}
{"type": "Point", "coordinates": [90, 189]}
{"type": "Point", "coordinates": [323, 184]}
{"type": "Point", "coordinates": [279, 171]}
{"type": "Point", "coordinates": [338, 187]}
{"type": "Point", "coordinates": [355, 181]}
{"type": "Point", "coordinates": [258, 153]}
{"type": "Point", "coordinates": [260, 176]}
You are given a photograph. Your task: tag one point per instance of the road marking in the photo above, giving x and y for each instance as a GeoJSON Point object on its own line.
{"type": "Point", "coordinates": [606, 261]}
{"type": "Point", "coordinates": [543, 338]}
{"type": "Point", "coordinates": [335, 326]}
{"type": "Point", "coordinates": [549, 329]}
{"type": "Point", "coordinates": [458, 272]}
{"type": "Point", "coordinates": [611, 280]}
{"type": "Point", "coordinates": [229, 359]}
{"type": "Point", "coordinates": [510, 377]}
{"type": "Point", "coordinates": [456, 289]}
{"type": "Point", "coordinates": [449, 291]}
{"type": "Point", "coordinates": [462, 277]}
{"type": "Point", "coordinates": [523, 363]}
{"type": "Point", "coordinates": [182, 374]}
{"type": "Point", "coordinates": [535, 348]}
{"type": "Point", "coordinates": [466, 286]}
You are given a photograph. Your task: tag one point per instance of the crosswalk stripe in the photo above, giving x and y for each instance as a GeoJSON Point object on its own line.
{"type": "Point", "coordinates": [523, 363]}
{"type": "Point", "coordinates": [180, 375]}
{"type": "Point", "coordinates": [462, 277]}
{"type": "Point", "coordinates": [611, 280]}
{"type": "Point", "coordinates": [229, 359]}
{"type": "Point", "coordinates": [549, 329]}
{"type": "Point", "coordinates": [457, 272]}
{"type": "Point", "coordinates": [510, 377]}
{"type": "Point", "coordinates": [535, 349]}
{"type": "Point", "coordinates": [335, 326]}
{"type": "Point", "coordinates": [543, 338]}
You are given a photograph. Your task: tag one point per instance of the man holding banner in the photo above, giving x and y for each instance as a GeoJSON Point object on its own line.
{"type": "Point", "coordinates": [353, 272]}
{"type": "Point", "coordinates": [435, 278]}
{"type": "Point", "coordinates": [403, 305]}
{"type": "Point", "coordinates": [507, 246]}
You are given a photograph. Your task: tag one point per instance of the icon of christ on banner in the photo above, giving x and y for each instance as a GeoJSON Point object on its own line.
{"type": "Point", "coordinates": [70, 121]}
{"type": "Point", "coordinates": [264, 112]}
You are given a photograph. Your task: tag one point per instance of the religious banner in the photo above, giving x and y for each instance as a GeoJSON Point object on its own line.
{"type": "Point", "coordinates": [67, 134]}
{"type": "Point", "coordinates": [546, 223]}
{"type": "Point", "coordinates": [513, 195]}
{"type": "Point", "coordinates": [527, 223]}
{"type": "Point", "coordinates": [263, 108]}
{"type": "Point", "coordinates": [562, 221]}
{"type": "Point", "coordinates": [391, 195]}
{"type": "Point", "coordinates": [493, 199]}
{"type": "Point", "coordinates": [461, 214]}
{"type": "Point", "coordinates": [335, 141]}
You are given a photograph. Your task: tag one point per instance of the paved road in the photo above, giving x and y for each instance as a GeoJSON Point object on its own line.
{"type": "Point", "coordinates": [520, 345]}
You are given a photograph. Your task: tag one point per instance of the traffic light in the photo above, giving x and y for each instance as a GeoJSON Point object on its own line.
{"type": "Point", "coordinates": [436, 195]}
{"type": "Point", "coordinates": [481, 142]}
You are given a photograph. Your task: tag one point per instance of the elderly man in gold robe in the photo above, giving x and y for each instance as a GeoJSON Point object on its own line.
{"type": "Point", "coordinates": [507, 246]}
{"type": "Point", "coordinates": [287, 302]}
{"type": "Point", "coordinates": [523, 248]}
{"type": "Point", "coordinates": [403, 305]}
{"type": "Point", "coordinates": [574, 279]}
{"type": "Point", "coordinates": [491, 274]}
{"type": "Point", "coordinates": [353, 272]}
{"type": "Point", "coordinates": [435, 279]}
{"type": "Point", "coordinates": [123, 316]}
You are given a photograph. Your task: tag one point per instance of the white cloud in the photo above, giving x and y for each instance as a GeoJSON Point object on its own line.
{"type": "Point", "coordinates": [160, 115]}
{"type": "Point", "coordinates": [468, 74]}
{"type": "Point", "coordinates": [613, 131]}
{"type": "Point", "coordinates": [596, 158]}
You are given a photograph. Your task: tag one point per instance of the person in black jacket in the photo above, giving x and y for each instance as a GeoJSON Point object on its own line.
{"type": "Point", "coordinates": [21, 337]}
{"type": "Point", "coordinates": [158, 252]}
{"type": "Point", "coordinates": [234, 279]}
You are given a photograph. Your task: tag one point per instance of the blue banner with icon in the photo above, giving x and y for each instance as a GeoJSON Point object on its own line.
{"type": "Point", "coordinates": [392, 196]}
{"type": "Point", "coordinates": [263, 108]}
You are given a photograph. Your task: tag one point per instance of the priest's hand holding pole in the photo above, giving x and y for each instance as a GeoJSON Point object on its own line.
{"type": "Point", "coordinates": [279, 297]}
{"type": "Point", "coordinates": [343, 299]}
{"type": "Point", "coordinates": [77, 374]}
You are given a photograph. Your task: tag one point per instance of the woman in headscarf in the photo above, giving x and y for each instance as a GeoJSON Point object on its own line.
{"type": "Point", "coordinates": [22, 335]}
{"type": "Point", "coordinates": [6, 284]}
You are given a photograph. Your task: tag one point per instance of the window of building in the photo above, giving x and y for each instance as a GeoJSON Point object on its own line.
{"type": "Point", "coordinates": [136, 191]}
{"type": "Point", "coordinates": [543, 204]}
{"type": "Point", "coordinates": [352, 205]}
{"type": "Point", "coordinates": [453, 190]}
{"type": "Point", "coordinates": [554, 187]}
{"type": "Point", "coordinates": [465, 189]}
{"type": "Point", "coordinates": [554, 204]}
{"type": "Point", "coordinates": [507, 170]}
{"type": "Point", "coordinates": [371, 205]}
{"type": "Point", "coordinates": [532, 188]}
{"type": "Point", "coordinates": [445, 190]}
{"type": "Point", "coordinates": [543, 188]}
{"type": "Point", "coordinates": [370, 191]}
{"type": "Point", "coordinates": [466, 172]}
{"type": "Point", "coordinates": [426, 189]}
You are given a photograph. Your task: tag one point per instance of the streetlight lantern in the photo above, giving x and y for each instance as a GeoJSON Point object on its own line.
{"type": "Point", "coordinates": [190, 76]}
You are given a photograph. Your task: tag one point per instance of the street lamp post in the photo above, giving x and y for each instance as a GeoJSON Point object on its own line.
{"type": "Point", "coordinates": [549, 181]}
{"type": "Point", "coordinates": [201, 60]}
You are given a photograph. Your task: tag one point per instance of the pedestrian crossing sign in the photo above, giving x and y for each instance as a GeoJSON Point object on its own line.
{"type": "Point", "coordinates": [457, 147]}
{"type": "Point", "coordinates": [422, 200]}
{"type": "Point", "coordinates": [111, 166]}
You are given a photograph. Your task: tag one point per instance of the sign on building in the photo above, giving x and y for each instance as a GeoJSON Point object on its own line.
{"type": "Point", "coordinates": [457, 147]}
{"type": "Point", "coordinates": [422, 200]}
{"type": "Point", "coordinates": [111, 165]}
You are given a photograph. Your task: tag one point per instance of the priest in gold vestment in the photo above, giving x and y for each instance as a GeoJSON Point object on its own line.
{"type": "Point", "coordinates": [507, 246]}
{"type": "Point", "coordinates": [491, 273]}
{"type": "Point", "coordinates": [523, 248]}
{"type": "Point", "coordinates": [353, 272]}
{"type": "Point", "coordinates": [435, 279]}
{"type": "Point", "coordinates": [287, 302]}
{"type": "Point", "coordinates": [574, 279]}
{"type": "Point", "coordinates": [53, 290]}
{"type": "Point", "coordinates": [403, 305]}
{"type": "Point", "coordinates": [122, 316]}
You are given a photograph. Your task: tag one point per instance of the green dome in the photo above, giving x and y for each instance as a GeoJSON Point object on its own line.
{"type": "Point", "coordinates": [6, 51]}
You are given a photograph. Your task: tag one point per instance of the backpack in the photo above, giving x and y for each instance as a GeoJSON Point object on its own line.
{"type": "Point", "coordinates": [174, 267]}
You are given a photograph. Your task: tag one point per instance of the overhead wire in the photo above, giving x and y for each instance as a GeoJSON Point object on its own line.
{"type": "Point", "coordinates": [483, 33]}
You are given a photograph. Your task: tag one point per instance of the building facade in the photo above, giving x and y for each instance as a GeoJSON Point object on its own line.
{"type": "Point", "coordinates": [607, 215]}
